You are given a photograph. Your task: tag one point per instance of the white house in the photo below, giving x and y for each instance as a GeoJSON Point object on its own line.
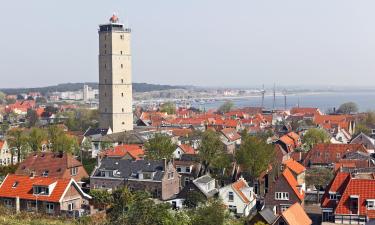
{"type": "Point", "coordinates": [239, 197]}
{"type": "Point", "coordinates": [183, 149]}
{"type": "Point", "coordinates": [5, 155]}
{"type": "Point", "coordinates": [341, 136]}
{"type": "Point", "coordinates": [367, 141]}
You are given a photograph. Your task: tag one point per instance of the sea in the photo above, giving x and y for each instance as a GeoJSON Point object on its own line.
{"type": "Point", "coordinates": [325, 101]}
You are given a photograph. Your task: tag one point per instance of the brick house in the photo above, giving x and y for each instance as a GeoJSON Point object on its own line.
{"type": "Point", "coordinates": [327, 154]}
{"type": "Point", "coordinates": [55, 165]}
{"type": "Point", "coordinates": [54, 196]}
{"type": "Point", "coordinates": [284, 192]}
{"type": "Point", "coordinates": [154, 176]}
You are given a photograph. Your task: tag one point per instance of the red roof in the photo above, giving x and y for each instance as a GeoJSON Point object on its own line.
{"type": "Point", "coordinates": [337, 185]}
{"type": "Point", "coordinates": [187, 149]}
{"type": "Point", "coordinates": [296, 215]}
{"type": "Point", "coordinates": [231, 134]}
{"type": "Point", "coordinates": [1, 144]}
{"type": "Point", "coordinates": [306, 110]}
{"type": "Point", "coordinates": [135, 151]}
{"type": "Point", "coordinates": [24, 187]}
{"type": "Point", "coordinates": [330, 153]}
{"type": "Point", "coordinates": [293, 183]}
{"type": "Point", "coordinates": [238, 186]}
{"type": "Point", "coordinates": [364, 189]}
{"type": "Point", "coordinates": [294, 166]}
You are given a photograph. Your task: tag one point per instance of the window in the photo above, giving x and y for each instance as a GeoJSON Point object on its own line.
{"type": "Point", "coordinates": [187, 169]}
{"type": "Point", "coordinates": [123, 123]}
{"type": "Point", "coordinates": [170, 175]}
{"type": "Point", "coordinates": [122, 66]}
{"type": "Point", "coordinates": [338, 155]}
{"type": "Point", "coordinates": [71, 206]}
{"type": "Point", "coordinates": [40, 190]}
{"type": "Point", "coordinates": [122, 94]}
{"type": "Point", "coordinates": [178, 169]}
{"type": "Point", "coordinates": [121, 52]}
{"type": "Point", "coordinates": [15, 184]}
{"type": "Point", "coordinates": [8, 203]}
{"type": "Point", "coordinates": [105, 51]}
{"type": "Point", "coordinates": [371, 204]}
{"type": "Point", "coordinates": [232, 208]}
{"type": "Point", "coordinates": [282, 196]}
{"type": "Point", "coordinates": [122, 37]}
{"type": "Point", "coordinates": [45, 173]}
{"type": "Point", "coordinates": [122, 81]}
{"type": "Point", "coordinates": [284, 207]}
{"type": "Point", "coordinates": [230, 196]}
{"type": "Point", "coordinates": [50, 208]}
{"type": "Point", "coordinates": [105, 65]}
{"type": "Point", "coordinates": [73, 171]}
{"type": "Point", "coordinates": [105, 46]}
{"type": "Point", "coordinates": [186, 180]}
{"type": "Point", "coordinates": [332, 196]}
{"type": "Point", "coordinates": [105, 94]}
{"type": "Point", "coordinates": [31, 205]}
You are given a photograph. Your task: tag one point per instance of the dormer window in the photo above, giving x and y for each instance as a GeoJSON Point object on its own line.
{"type": "Point", "coordinates": [45, 173]}
{"type": "Point", "coordinates": [371, 204]}
{"type": "Point", "coordinates": [333, 196]}
{"type": "Point", "coordinates": [40, 190]}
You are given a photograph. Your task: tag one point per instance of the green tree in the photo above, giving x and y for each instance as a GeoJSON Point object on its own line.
{"type": "Point", "coordinates": [260, 223]}
{"type": "Point", "coordinates": [101, 199]}
{"type": "Point", "coordinates": [36, 138]}
{"type": "Point", "coordinates": [212, 213]}
{"type": "Point", "coordinates": [41, 100]}
{"type": "Point", "coordinates": [2, 98]}
{"type": "Point", "coordinates": [226, 107]}
{"type": "Point", "coordinates": [254, 155]}
{"type": "Point", "coordinates": [66, 143]}
{"type": "Point", "coordinates": [210, 149]}
{"type": "Point", "coordinates": [318, 177]}
{"type": "Point", "coordinates": [17, 141]}
{"type": "Point", "coordinates": [315, 136]}
{"type": "Point", "coordinates": [54, 132]}
{"type": "Point", "coordinates": [362, 128]}
{"type": "Point", "coordinates": [168, 107]}
{"type": "Point", "coordinates": [348, 108]}
{"type": "Point", "coordinates": [32, 117]}
{"type": "Point", "coordinates": [194, 198]}
{"type": "Point", "coordinates": [160, 147]}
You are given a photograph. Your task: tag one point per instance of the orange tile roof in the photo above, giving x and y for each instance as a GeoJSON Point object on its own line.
{"type": "Point", "coordinates": [238, 186]}
{"type": "Point", "coordinates": [1, 144]}
{"type": "Point", "coordinates": [293, 183]}
{"type": "Point", "coordinates": [294, 166]}
{"type": "Point", "coordinates": [296, 215]}
{"type": "Point", "coordinates": [364, 189]}
{"type": "Point", "coordinates": [187, 149]}
{"type": "Point", "coordinates": [338, 185]}
{"type": "Point", "coordinates": [135, 151]}
{"type": "Point", "coordinates": [25, 186]}
{"type": "Point", "coordinates": [231, 134]}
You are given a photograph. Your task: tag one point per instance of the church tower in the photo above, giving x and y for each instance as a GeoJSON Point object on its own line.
{"type": "Point", "coordinates": [115, 80]}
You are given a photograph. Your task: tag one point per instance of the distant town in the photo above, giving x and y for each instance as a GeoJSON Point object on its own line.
{"type": "Point", "coordinates": [118, 152]}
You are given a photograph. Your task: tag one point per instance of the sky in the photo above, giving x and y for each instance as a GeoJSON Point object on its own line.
{"type": "Point", "coordinates": [196, 42]}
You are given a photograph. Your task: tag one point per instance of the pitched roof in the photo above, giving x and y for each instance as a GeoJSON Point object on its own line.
{"type": "Point", "coordinates": [187, 149]}
{"type": "Point", "coordinates": [55, 163]}
{"type": "Point", "coordinates": [331, 153]}
{"type": "Point", "coordinates": [130, 169]}
{"type": "Point", "coordinates": [22, 186]}
{"type": "Point", "coordinates": [337, 185]}
{"type": "Point", "coordinates": [135, 151]}
{"type": "Point", "coordinates": [294, 166]}
{"type": "Point", "coordinates": [268, 215]}
{"type": "Point", "coordinates": [1, 144]}
{"type": "Point", "coordinates": [231, 134]}
{"type": "Point", "coordinates": [365, 190]}
{"type": "Point", "coordinates": [296, 215]}
{"type": "Point", "coordinates": [238, 186]}
{"type": "Point", "coordinates": [287, 174]}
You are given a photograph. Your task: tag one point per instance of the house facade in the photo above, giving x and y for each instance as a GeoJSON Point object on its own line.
{"type": "Point", "coordinates": [239, 197]}
{"type": "Point", "coordinates": [159, 177]}
{"type": "Point", "coordinates": [52, 196]}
